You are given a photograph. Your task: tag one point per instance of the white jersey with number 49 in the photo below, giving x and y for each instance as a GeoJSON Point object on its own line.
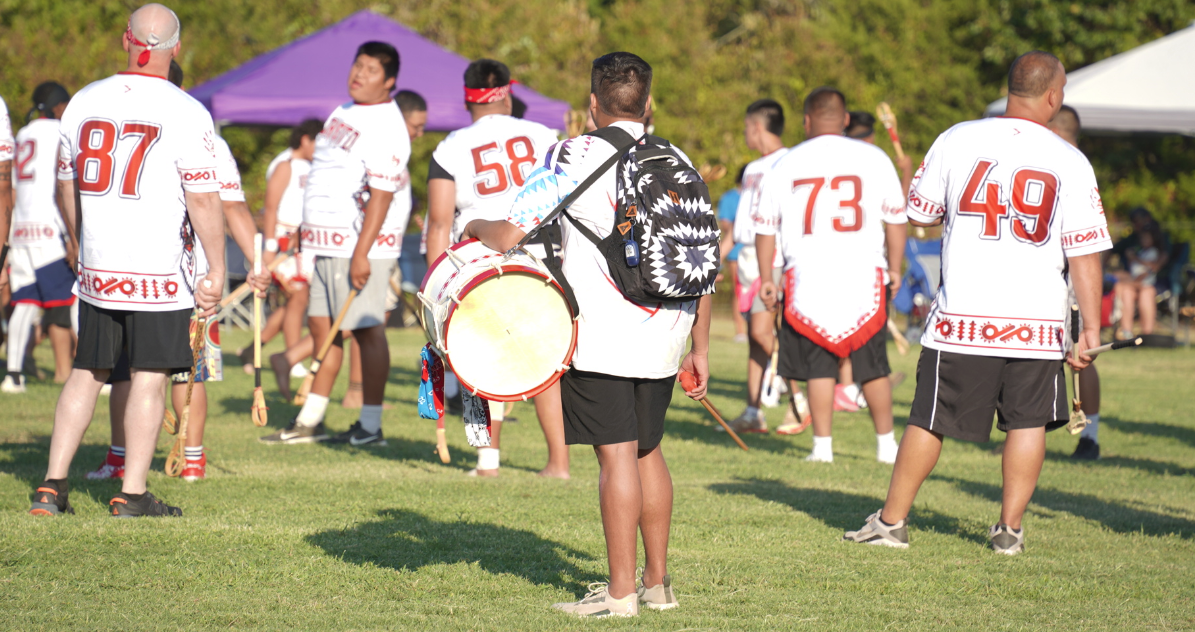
{"type": "Point", "coordinates": [829, 199]}
{"type": "Point", "coordinates": [1016, 201]}
{"type": "Point", "coordinates": [489, 161]}
{"type": "Point", "coordinates": [134, 144]}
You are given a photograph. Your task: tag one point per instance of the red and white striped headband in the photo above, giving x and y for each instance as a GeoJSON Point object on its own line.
{"type": "Point", "coordinates": [487, 95]}
{"type": "Point", "coordinates": [153, 44]}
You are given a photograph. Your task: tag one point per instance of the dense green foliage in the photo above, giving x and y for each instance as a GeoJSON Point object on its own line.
{"type": "Point", "coordinates": [322, 537]}
{"type": "Point", "coordinates": [937, 63]}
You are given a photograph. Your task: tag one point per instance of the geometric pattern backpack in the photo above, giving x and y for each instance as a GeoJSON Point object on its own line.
{"type": "Point", "coordinates": [664, 242]}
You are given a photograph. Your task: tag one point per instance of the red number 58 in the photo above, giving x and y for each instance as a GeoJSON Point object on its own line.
{"type": "Point", "coordinates": [518, 157]}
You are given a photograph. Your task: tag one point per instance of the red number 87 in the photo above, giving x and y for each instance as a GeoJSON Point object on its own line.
{"type": "Point", "coordinates": [96, 160]}
{"type": "Point", "coordinates": [1033, 197]}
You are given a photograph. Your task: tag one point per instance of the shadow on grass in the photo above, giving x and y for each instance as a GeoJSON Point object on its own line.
{"type": "Point", "coordinates": [1152, 429]}
{"type": "Point", "coordinates": [846, 511]}
{"type": "Point", "coordinates": [1114, 516]}
{"type": "Point", "coordinates": [405, 540]}
{"type": "Point", "coordinates": [707, 433]}
{"type": "Point", "coordinates": [1145, 465]}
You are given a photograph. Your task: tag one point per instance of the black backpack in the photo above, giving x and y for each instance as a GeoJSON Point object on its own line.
{"type": "Point", "coordinates": [664, 244]}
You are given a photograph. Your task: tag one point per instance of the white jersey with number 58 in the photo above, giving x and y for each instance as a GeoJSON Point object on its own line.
{"type": "Point", "coordinates": [1016, 201]}
{"type": "Point", "coordinates": [133, 144]}
{"type": "Point", "coordinates": [488, 161]}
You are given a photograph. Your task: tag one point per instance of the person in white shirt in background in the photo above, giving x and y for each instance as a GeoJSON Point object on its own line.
{"type": "Point", "coordinates": [209, 367]}
{"type": "Point", "coordinates": [617, 393]}
{"type": "Point", "coordinates": [838, 206]}
{"type": "Point", "coordinates": [1021, 212]}
{"type": "Point", "coordinates": [358, 166]}
{"type": "Point", "coordinates": [40, 257]}
{"type": "Point", "coordinates": [476, 173]}
{"type": "Point", "coordinates": [7, 150]}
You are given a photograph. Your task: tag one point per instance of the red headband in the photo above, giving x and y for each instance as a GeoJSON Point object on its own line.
{"type": "Point", "coordinates": [143, 58]}
{"type": "Point", "coordinates": [487, 95]}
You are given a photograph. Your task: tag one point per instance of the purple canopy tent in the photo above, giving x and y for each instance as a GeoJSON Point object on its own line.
{"type": "Point", "coordinates": [308, 78]}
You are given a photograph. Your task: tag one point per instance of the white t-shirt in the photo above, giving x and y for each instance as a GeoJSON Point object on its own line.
{"type": "Point", "coordinates": [134, 143]}
{"type": "Point", "coordinates": [489, 161]}
{"type": "Point", "coordinates": [1017, 201]}
{"type": "Point", "coordinates": [290, 207]}
{"type": "Point", "coordinates": [753, 173]}
{"type": "Point", "coordinates": [36, 223]}
{"type": "Point", "coordinates": [230, 191]}
{"type": "Point", "coordinates": [829, 198]}
{"type": "Point", "coordinates": [389, 242]}
{"type": "Point", "coordinates": [615, 336]}
{"type": "Point", "coordinates": [7, 147]}
{"type": "Point", "coordinates": [361, 147]}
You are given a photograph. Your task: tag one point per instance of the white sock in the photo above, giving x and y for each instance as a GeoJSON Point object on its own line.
{"type": "Point", "coordinates": [487, 458]}
{"type": "Point", "coordinates": [20, 326]}
{"type": "Point", "coordinates": [751, 412]}
{"type": "Point", "coordinates": [1092, 431]}
{"type": "Point", "coordinates": [313, 410]}
{"type": "Point", "coordinates": [193, 453]}
{"type": "Point", "coordinates": [887, 439]}
{"type": "Point", "coordinates": [117, 451]}
{"type": "Point", "coordinates": [851, 391]}
{"type": "Point", "coordinates": [371, 418]}
{"type": "Point", "coordinates": [452, 387]}
{"type": "Point", "coordinates": [823, 446]}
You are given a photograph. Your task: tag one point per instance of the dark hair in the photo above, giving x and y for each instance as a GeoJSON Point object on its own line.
{"type": "Point", "coordinates": [386, 55]}
{"type": "Point", "coordinates": [862, 125]}
{"type": "Point", "coordinates": [739, 178]}
{"type": "Point", "coordinates": [309, 128]}
{"type": "Point", "coordinates": [518, 107]}
{"type": "Point", "coordinates": [1031, 74]}
{"type": "Point", "coordinates": [1142, 213]}
{"type": "Point", "coordinates": [45, 97]}
{"type": "Point", "coordinates": [772, 114]}
{"type": "Point", "coordinates": [825, 101]}
{"type": "Point", "coordinates": [622, 83]}
{"type": "Point", "coordinates": [1066, 121]}
{"type": "Point", "coordinates": [175, 75]}
{"type": "Point", "coordinates": [486, 73]}
{"type": "Point", "coordinates": [410, 101]}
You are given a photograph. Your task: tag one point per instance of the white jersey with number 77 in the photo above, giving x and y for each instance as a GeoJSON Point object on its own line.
{"type": "Point", "coordinates": [1016, 201]}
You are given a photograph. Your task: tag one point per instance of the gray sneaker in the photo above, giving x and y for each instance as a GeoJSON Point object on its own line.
{"type": "Point", "coordinates": [599, 605]}
{"type": "Point", "coordinates": [658, 597]}
{"type": "Point", "coordinates": [1007, 541]}
{"type": "Point", "coordinates": [296, 433]}
{"type": "Point", "coordinates": [876, 532]}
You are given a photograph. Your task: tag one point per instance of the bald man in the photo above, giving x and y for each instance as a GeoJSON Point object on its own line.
{"type": "Point", "coordinates": [129, 145]}
{"type": "Point", "coordinates": [1019, 210]}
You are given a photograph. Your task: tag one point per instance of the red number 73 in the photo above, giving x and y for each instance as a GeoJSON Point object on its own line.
{"type": "Point", "coordinates": [852, 203]}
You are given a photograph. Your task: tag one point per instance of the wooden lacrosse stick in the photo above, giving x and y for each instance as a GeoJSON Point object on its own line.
{"type": "Point", "coordinates": [884, 111]}
{"type": "Point", "coordinates": [176, 458]}
{"type": "Point", "coordinates": [1078, 418]}
{"type": "Point", "coordinates": [442, 441]}
{"type": "Point", "coordinates": [902, 343]}
{"type": "Point", "coordinates": [301, 396]}
{"type": "Point", "coordinates": [688, 382]}
{"type": "Point", "coordinates": [258, 411]}
{"type": "Point", "coordinates": [1113, 346]}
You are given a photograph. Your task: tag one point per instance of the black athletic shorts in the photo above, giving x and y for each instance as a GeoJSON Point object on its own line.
{"type": "Point", "coordinates": [958, 395]}
{"type": "Point", "coordinates": [803, 359]}
{"type": "Point", "coordinates": [602, 409]}
{"type": "Point", "coordinates": [153, 340]}
{"type": "Point", "coordinates": [59, 316]}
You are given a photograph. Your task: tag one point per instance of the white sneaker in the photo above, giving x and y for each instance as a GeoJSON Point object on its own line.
{"type": "Point", "coordinates": [599, 604]}
{"type": "Point", "coordinates": [886, 452]}
{"type": "Point", "coordinates": [14, 384]}
{"type": "Point", "coordinates": [820, 457]}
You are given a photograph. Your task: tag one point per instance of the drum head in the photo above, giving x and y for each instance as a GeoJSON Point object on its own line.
{"type": "Point", "coordinates": [510, 335]}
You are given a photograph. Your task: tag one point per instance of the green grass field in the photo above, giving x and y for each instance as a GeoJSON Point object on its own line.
{"type": "Point", "coordinates": [334, 538]}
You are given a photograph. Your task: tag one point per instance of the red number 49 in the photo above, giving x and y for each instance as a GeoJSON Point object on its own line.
{"type": "Point", "coordinates": [1033, 196]}
{"type": "Point", "coordinates": [96, 159]}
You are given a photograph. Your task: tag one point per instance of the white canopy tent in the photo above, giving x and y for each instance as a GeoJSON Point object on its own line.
{"type": "Point", "coordinates": [1150, 88]}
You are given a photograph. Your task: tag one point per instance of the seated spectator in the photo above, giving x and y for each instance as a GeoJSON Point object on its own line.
{"type": "Point", "coordinates": [1144, 253]}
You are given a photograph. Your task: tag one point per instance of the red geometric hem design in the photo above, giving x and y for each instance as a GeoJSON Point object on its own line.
{"type": "Point", "coordinates": [868, 325]}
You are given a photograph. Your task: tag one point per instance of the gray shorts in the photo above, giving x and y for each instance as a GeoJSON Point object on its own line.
{"type": "Point", "coordinates": [330, 288]}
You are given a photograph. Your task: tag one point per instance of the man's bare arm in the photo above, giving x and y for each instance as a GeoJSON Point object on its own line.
{"type": "Point", "coordinates": [441, 210]}
{"type": "Point", "coordinates": [498, 235]}
{"type": "Point", "coordinates": [1087, 279]}
{"type": "Point", "coordinates": [375, 215]}
{"type": "Point", "coordinates": [241, 227]}
{"type": "Point", "coordinates": [6, 199]}
{"type": "Point", "coordinates": [895, 236]}
{"type": "Point", "coordinates": [207, 218]}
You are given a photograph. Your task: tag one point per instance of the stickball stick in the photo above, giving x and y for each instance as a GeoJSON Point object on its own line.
{"type": "Point", "coordinates": [301, 396]}
{"type": "Point", "coordinates": [258, 411]}
{"type": "Point", "coordinates": [1079, 419]}
{"type": "Point", "coordinates": [175, 460]}
{"type": "Point", "coordinates": [884, 111]}
{"type": "Point", "coordinates": [1113, 346]}
{"type": "Point", "coordinates": [243, 289]}
{"type": "Point", "coordinates": [688, 382]}
{"type": "Point", "coordinates": [902, 343]}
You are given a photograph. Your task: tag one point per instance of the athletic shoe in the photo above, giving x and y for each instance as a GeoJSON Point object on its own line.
{"type": "Point", "coordinates": [744, 423]}
{"type": "Point", "coordinates": [195, 470]}
{"type": "Point", "coordinates": [1007, 541]}
{"type": "Point", "coordinates": [295, 433]}
{"type": "Point", "coordinates": [113, 467]}
{"type": "Point", "coordinates": [797, 418]}
{"type": "Point", "coordinates": [880, 534]}
{"type": "Point", "coordinates": [124, 507]}
{"type": "Point", "coordinates": [1087, 450]}
{"type": "Point", "coordinates": [356, 435]}
{"type": "Point", "coordinates": [13, 384]}
{"type": "Point", "coordinates": [844, 403]}
{"type": "Point", "coordinates": [658, 597]}
{"type": "Point", "coordinates": [48, 500]}
{"type": "Point", "coordinates": [599, 605]}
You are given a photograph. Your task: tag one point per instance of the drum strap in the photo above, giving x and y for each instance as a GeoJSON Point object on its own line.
{"type": "Point", "coordinates": [622, 142]}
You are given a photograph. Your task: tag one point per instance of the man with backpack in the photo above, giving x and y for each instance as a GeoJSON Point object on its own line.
{"type": "Point", "coordinates": [640, 256]}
